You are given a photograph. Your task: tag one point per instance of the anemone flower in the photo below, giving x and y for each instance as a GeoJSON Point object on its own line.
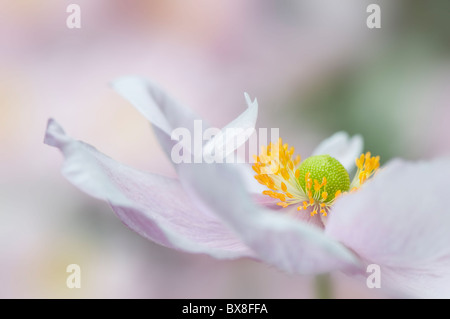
{"type": "Point", "coordinates": [311, 218]}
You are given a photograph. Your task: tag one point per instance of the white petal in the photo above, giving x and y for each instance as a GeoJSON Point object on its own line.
{"type": "Point", "coordinates": [166, 115]}
{"type": "Point", "coordinates": [342, 147]}
{"type": "Point", "coordinates": [150, 100]}
{"type": "Point", "coordinates": [400, 220]}
{"type": "Point", "coordinates": [154, 206]}
{"type": "Point", "coordinates": [279, 240]}
{"type": "Point", "coordinates": [237, 132]}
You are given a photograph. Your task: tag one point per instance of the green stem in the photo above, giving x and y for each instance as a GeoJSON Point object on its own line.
{"type": "Point", "coordinates": [323, 286]}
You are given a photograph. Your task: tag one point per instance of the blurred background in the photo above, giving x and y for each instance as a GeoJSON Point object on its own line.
{"type": "Point", "coordinates": [313, 65]}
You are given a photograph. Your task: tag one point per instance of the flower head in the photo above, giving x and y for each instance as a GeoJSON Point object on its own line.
{"type": "Point", "coordinates": [396, 220]}
{"type": "Point", "coordinates": [316, 182]}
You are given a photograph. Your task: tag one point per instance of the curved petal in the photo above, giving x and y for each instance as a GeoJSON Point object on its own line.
{"type": "Point", "coordinates": [154, 206]}
{"type": "Point", "coordinates": [158, 108]}
{"type": "Point", "coordinates": [237, 132]}
{"type": "Point", "coordinates": [342, 147]}
{"type": "Point", "coordinates": [233, 136]}
{"type": "Point", "coordinates": [278, 239]}
{"type": "Point", "coordinates": [432, 281]}
{"type": "Point", "coordinates": [167, 115]}
{"type": "Point", "coordinates": [400, 221]}
{"type": "Point", "coordinates": [271, 204]}
{"type": "Point", "coordinates": [266, 201]}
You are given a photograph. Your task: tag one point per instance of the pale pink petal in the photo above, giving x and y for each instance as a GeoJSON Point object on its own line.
{"type": "Point", "coordinates": [304, 216]}
{"type": "Point", "coordinates": [166, 115]}
{"type": "Point", "coordinates": [233, 136]}
{"type": "Point", "coordinates": [158, 107]}
{"type": "Point", "coordinates": [154, 206]}
{"type": "Point", "coordinates": [432, 281]}
{"type": "Point", "coordinates": [400, 220]}
{"type": "Point", "coordinates": [342, 147]}
{"type": "Point", "coordinates": [278, 239]}
{"type": "Point", "coordinates": [266, 201]}
{"type": "Point", "coordinates": [237, 132]}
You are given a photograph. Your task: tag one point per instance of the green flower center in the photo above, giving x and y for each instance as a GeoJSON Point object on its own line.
{"type": "Point", "coordinates": [322, 176]}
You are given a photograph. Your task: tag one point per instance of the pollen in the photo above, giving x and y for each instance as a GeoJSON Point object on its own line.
{"type": "Point", "coordinates": [313, 184]}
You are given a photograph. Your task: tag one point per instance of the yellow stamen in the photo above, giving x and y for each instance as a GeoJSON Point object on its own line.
{"type": "Point", "coordinates": [317, 186]}
{"type": "Point", "coordinates": [367, 166]}
{"type": "Point", "coordinates": [285, 174]}
{"type": "Point", "coordinates": [278, 169]}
